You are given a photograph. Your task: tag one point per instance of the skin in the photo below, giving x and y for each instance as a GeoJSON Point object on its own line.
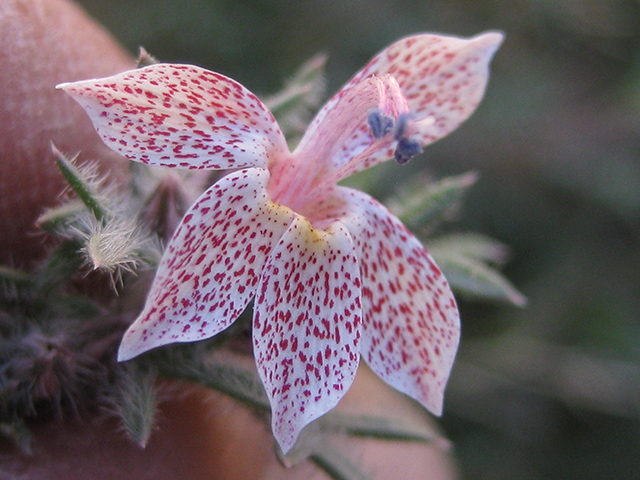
{"type": "Point", "coordinates": [200, 434]}
{"type": "Point", "coordinates": [45, 42]}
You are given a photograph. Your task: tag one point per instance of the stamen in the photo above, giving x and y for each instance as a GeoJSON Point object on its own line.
{"type": "Point", "coordinates": [403, 119]}
{"type": "Point", "coordinates": [379, 124]}
{"type": "Point", "coordinates": [406, 149]}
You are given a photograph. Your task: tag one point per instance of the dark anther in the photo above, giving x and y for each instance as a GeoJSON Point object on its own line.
{"type": "Point", "coordinates": [406, 149]}
{"type": "Point", "coordinates": [380, 124]}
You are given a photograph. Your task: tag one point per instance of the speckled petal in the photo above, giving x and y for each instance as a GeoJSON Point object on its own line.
{"type": "Point", "coordinates": [307, 322]}
{"type": "Point", "coordinates": [211, 267]}
{"type": "Point", "coordinates": [411, 326]}
{"type": "Point", "coordinates": [443, 79]}
{"type": "Point", "coordinates": [180, 116]}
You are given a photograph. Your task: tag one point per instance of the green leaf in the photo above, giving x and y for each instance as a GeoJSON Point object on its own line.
{"type": "Point", "coordinates": [14, 277]}
{"type": "Point", "coordinates": [61, 264]}
{"type": "Point", "coordinates": [136, 400]}
{"type": "Point", "coordinates": [419, 206]}
{"type": "Point", "coordinates": [375, 427]}
{"type": "Point", "coordinates": [336, 465]}
{"type": "Point", "coordinates": [56, 220]}
{"type": "Point", "coordinates": [474, 246]}
{"type": "Point", "coordinates": [473, 278]}
{"type": "Point", "coordinates": [293, 106]}
{"type": "Point", "coordinates": [322, 430]}
{"type": "Point", "coordinates": [211, 370]}
{"type": "Point", "coordinates": [145, 59]}
{"type": "Point", "coordinates": [80, 185]}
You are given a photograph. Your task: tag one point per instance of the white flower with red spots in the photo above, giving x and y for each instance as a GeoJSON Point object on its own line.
{"type": "Point", "coordinates": [334, 275]}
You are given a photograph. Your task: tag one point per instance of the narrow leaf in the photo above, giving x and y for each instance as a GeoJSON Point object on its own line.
{"type": "Point", "coordinates": [316, 434]}
{"type": "Point", "coordinates": [474, 246]}
{"type": "Point", "coordinates": [375, 427]}
{"type": "Point", "coordinates": [61, 264]}
{"type": "Point", "coordinates": [136, 402]}
{"type": "Point", "coordinates": [55, 220]}
{"type": "Point", "coordinates": [300, 88]}
{"type": "Point", "coordinates": [212, 371]}
{"type": "Point", "coordinates": [293, 106]}
{"type": "Point", "coordinates": [14, 277]}
{"type": "Point", "coordinates": [336, 465]}
{"type": "Point", "coordinates": [419, 207]}
{"type": "Point", "coordinates": [80, 185]}
{"type": "Point", "coordinates": [475, 279]}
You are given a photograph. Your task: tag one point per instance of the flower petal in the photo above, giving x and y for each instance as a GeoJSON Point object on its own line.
{"type": "Point", "coordinates": [211, 267]}
{"type": "Point", "coordinates": [411, 326]}
{"type": "Point", "coordinates": [443, 79]}
{"type": "Point", "coordinates": [307, 321]}
{"type": "Point", "coordinates": [313, 167]}
{"type": "Point", "coordinates": [180, 116]}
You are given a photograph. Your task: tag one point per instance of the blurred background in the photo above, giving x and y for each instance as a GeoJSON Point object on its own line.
{"type": "Point", "coordinates": [551, 391]}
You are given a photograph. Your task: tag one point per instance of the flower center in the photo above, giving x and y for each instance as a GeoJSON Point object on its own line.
{"type": "Point", "coordinates": [366, 122]}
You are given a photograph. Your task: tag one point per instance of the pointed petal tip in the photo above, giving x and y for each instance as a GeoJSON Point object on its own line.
{"type": "Point", "coordinates": [132, 346]}
{"type": "Point", "coordinates": [126, 352]}
{"type": "Point", "coordinates": [286, 443]}
{"type": "Point", "coordinates": [124, 356]}
{"type": "Point", "coordinates": [490, 40]}
{"type": "Point", "coordinates": [69, 87]}
{"type": "Point", "coordinates": [284, 432]}
{"type": "Point", "coordinates": [436, 406]}
{"type": "Point", "coordinates": [492, 37]}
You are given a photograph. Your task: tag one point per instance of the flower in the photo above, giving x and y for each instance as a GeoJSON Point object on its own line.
{"type": "Point", "coordinates": [334, 274]}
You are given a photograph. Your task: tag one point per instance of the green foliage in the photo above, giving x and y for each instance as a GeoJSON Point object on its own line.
{"type": "Point", "coordinates": [57, 337]}
{"type": "Point", "coordinates": [108, 231]}
{"type": "Point", "coordinates": [83, 185]}
{"type": "Point", "coordinates": [136, 400]}
{"type": "Point", "coordinates": [337, 465]}
{"type": "Point", "coordinates": [421, 206]}
{"type": "Point", "coordinates": [468, 261]}
{"type": "Point", "coordinates": [376, 427]}
{"type": "Point", "coordinates": [296, 103]}
{"type": "Point", "coordinates": [195, 363]}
